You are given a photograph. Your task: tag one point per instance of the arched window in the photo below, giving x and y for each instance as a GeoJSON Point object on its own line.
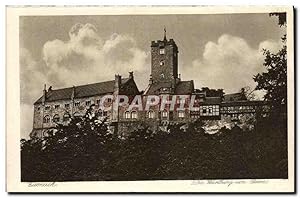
{"type": "Point", "coordinates": [56, 118]}
{"type": "Point", "coordinates": [47, 119]}
{"type": "Point", "coordinates": [76, 115]}
{"type": "Point", "coordinates": [181, 114]}
{"type": "Point", "coordinates": [100, 112]}
{"type": "Point", "coordinates": [164, 114]}
{"type": "Point", "coordinates": [151, 114]}
{"type": "Point", "coordinates": [127, 115]}
{"type": "Point", "coordinates": [134, 115]}
{"type": "Point", "coordinates": [66, 117]}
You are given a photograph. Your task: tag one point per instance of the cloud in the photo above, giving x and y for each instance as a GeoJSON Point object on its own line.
{"type": "Point", "coordinates": [94, 58]}
{"type": "Point", "coordinates": [32, 80]}
{"type": "Point", "coordinates": [230, 63]}
{"type": "Point", "coordinates": [84, 58]}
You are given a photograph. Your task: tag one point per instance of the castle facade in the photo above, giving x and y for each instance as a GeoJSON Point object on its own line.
{"type": "Point", "coordinates": [165, 84]}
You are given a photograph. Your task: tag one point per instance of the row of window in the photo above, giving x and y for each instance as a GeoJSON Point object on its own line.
{"type": "Point", "coordinates": [66, 117]}
{"type": "Point", "coordinates": [211, 110]}
{"type": "Point", "coordinates": [76, 104]}
{"type": "Point", "coordinates": [56, 118]}
{"type": "Point", "coordinates": [151, 114]}
{"type": "Point", "coordinates": [239, 108]}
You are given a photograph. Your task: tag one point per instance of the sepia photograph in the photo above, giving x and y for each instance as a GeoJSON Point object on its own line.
{"type": "Point", "coordinates": [202, 96]}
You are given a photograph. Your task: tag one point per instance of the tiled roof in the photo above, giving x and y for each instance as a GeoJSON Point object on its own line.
{"type": "Point", "coordinates": [155, 87]}
{"type": "Point", "coordinates": [182, 87]}
{"type": "Point", "coordinates": [81, 91]}
{"type": "Point", "coordinates": [212, 100]}
{"type": "Point", "coordinates": [234, 97]}
{"type": "Point", "coordinates": [244, 102]}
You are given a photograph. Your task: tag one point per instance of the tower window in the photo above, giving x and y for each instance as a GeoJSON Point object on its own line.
{"type": "Point", "coordinates": [162, 63]}
{"type": "Point", "coordinates": [162, 51]}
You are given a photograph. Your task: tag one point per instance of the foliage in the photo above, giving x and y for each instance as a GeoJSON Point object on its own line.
{"type": "Point", "coordinates": [281, 18]}
{"type": "Point", "coordinates": [213, 92]}
{"type": "Point", "coordinates": [274, 80]}
{"type": "Point", "coordinates": [85, 150]}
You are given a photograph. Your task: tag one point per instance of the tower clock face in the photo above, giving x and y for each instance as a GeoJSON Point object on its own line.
{"type": "Point", "coordinates": [162, 51]}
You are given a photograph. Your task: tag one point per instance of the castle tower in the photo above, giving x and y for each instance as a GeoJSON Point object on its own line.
{"type": "Point", "coordinates": [164, 60]}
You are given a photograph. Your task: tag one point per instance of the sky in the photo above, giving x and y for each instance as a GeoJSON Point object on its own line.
{"type": "Point", "coordinates": [217, 51]}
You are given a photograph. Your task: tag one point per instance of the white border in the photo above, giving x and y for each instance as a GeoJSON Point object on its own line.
{"type": "Point", "coordinates": [13, 105]}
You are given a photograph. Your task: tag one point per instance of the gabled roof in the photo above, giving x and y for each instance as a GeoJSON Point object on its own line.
{"type": "Point", "coordinates": [181, 88]}
{"type": "Point", "coordinates": [81, 91]}
{"type": "Point", "coordinates": [155, 87]}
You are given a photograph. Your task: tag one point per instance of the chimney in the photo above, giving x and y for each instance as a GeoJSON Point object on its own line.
{"type": "Point", "coordinates": [117, 82]}
{"type": "Point", "coordinates": [44, 94]}
{"type": "Point", "coordinates": [73, 93]}
{"type": "Point", "coordinates": [131, 75]}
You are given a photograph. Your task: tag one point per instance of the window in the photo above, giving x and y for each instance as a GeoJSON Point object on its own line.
{"type": "Point", "coordinates": [56, 106]}
{"type": "Point", "coordinates": [162, 63]}
{"type": "Point", "coordinates": [67, 106]}
{"type": "Point", "coordinates": [151, 114]}
{"type": "Point", "coordinates": [204, 111]}
{"type": "Point", "coordinates": [181, 114]}
{"type": "Point", "coordinates": [38, 108]}
{"type": "Point", "coordinates": [88, 103]}
{"type": "Point", "coordinates": [47, 119]}
{"type": "Point", "coordinates": [47, 107]}
{"type": "Point", "coordinates": [100, 112]}
{"type": "Point", "coordinates": [56, 118]}
{"type": "Point", "coordinates": [164, 114]}
{"type": "Point", "coordinates": [134, 115]}
{"type": "Point", "coordinates": [98, 101]}
{"type": "Point", "coordinates": [66, 117]}
{"type": "Point", "coordinates": [105, 113]}
{"type": "Point", "coordinates": [127, 115]}
{"type": "Point", "coordinates": [109, 100]}
{"type": "Point", "coordinates": [121, 99]}
{"type": "Point", "coordinates": [162, 51]}
{"type": "Point", "coordinates": [77, 104]}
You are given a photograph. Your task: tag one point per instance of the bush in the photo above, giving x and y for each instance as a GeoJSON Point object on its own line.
{"type": "Point", "coordinates": [85, 150]}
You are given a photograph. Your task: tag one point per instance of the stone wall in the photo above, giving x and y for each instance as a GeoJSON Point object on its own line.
{"type": "Point", "coordinates": [170, 67]}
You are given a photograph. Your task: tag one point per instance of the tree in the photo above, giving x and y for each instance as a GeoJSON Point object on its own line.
{"type": "Point", "coordinates": [274, 80]}
{"type": "Point", "coordinates": [248, 93]}
{"type": "Point", "coordinates": [213, 92]}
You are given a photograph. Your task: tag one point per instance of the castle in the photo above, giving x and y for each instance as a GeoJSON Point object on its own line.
{"type": "Point", "coordinates": [59, 105]}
